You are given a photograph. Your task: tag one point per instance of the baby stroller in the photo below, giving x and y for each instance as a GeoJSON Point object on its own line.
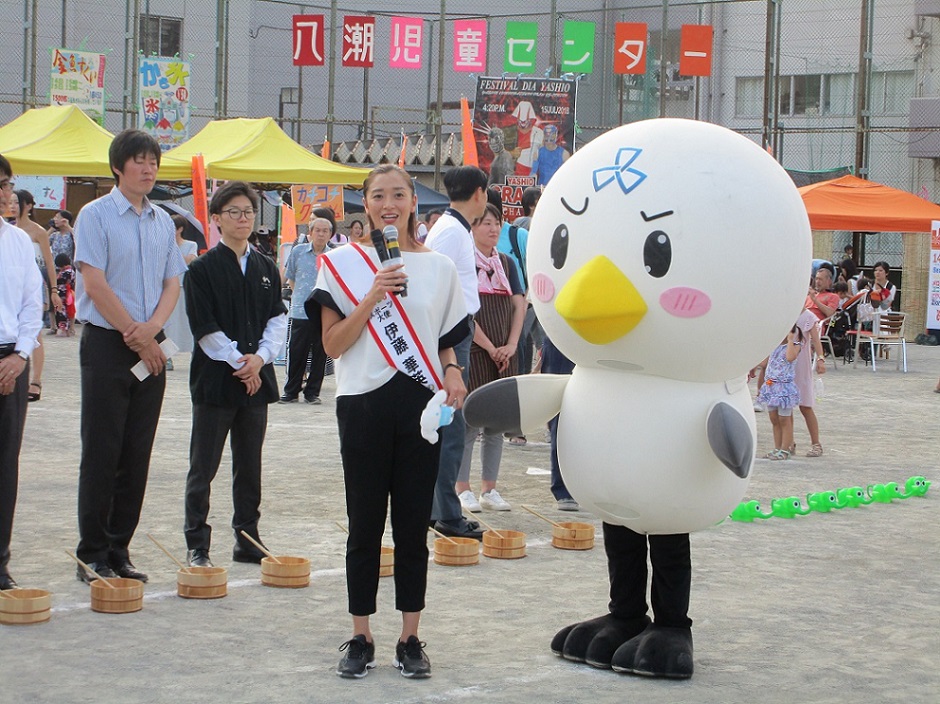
{"type": "Point", "coordinates": [841, 329]}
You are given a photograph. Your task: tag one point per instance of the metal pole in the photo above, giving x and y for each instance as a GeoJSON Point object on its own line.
{"type": "Point", "coordinates": [553, 37]}
{"type": "Point", "coordinates": [439, 117]}
{"type": "Point", "coordinates": [26, 27]}
{"type": "Point", "coordinates": [427, 101]}
{"type": "Point", "coordinates": [63, 22]}
{"type": "Point", "coordinates": [364, 130]}
{"type": "Point", "coordinates": [219, 12]}
{"type": "Point", "coordinates": [32, 70]}
{"type": "Point", "coordinates": [863, 107]}
{"type": "Point", "coordinates": [662, 60]}
{"type": "Point", "coordinates": [331, 87]}
{"type": "Point", "coordinates": [775, 97]}
{"type": "Point", "coordinates": [225, 34]}
{"type": "Point", "coordinates": [768, 74]}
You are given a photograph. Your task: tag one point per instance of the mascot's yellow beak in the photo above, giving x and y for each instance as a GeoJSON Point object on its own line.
{"type": "Point", "coordinates": [600, 303]}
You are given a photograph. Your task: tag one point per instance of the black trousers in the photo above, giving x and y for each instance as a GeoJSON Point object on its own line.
{"type": "Point", "coordinates": [385, 456]}
{"type": "Point", "coordinates": [305, 340]}
{"type": "Point", "coordinates": [12, 421]}
{"type": "Point", "coordinates": [211, 426]}
{"type": "Point", "coordinates": [118, 424]}
{"type": "Point", "coordinates": [672, 575]}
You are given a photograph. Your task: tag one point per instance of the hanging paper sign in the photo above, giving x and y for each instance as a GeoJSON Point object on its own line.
{"type": "Point", "coordinates": [77, 78]}
{"type": "Point", "coordinates": [578, 53]}
{"type": "Point", "coordinates": [695, 50]}
{"type": "Point", "coordinates": [308, 40]}
{"type": "Point", "coordinates": [47, 191]}
{"type": "Point", "coordinates": [358, 41]}
{"type": "Point", "coordinates": [630, 41]}
{"type": "Point", "coordinates": [308, 196]}
{"type": "Point", "coordinates": [933, 278]}
{"type": "Point", "coordinates": [470, 46]}
{"type": "Point", "coordinates": [163, 110]}
{"type": "Point", "coordinates": [519, 55]}
{"type": "Point", "coordinates": [407, 38]}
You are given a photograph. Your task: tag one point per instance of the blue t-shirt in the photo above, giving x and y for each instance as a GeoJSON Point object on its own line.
{"type": "Point", "coordinates": [505, 246]}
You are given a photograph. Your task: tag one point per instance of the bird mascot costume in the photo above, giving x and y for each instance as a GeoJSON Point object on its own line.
{"type": "Point", "coordinates": [666, 258]}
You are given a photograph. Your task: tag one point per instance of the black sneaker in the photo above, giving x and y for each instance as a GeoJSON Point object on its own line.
{"type": "Point", "coordinates": [411, 659]}
{"type": "Point", "coordinates": [359, 657]}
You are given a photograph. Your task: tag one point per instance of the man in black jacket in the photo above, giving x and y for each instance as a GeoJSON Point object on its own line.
{"type": "Point", "coordinates": [233, 297]}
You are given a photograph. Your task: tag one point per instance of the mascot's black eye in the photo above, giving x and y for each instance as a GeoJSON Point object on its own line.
{"type": "Point", "coordinates": [559, 248]}
{"type": "Point", "coordinates": [657, 254]}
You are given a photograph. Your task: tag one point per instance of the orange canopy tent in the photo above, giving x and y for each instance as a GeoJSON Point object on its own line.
{"type": "Point", "coordinates": [852, 203]}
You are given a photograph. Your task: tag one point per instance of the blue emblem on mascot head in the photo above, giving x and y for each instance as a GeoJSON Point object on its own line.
{"type": "Point", "coordinates": [606, 175]}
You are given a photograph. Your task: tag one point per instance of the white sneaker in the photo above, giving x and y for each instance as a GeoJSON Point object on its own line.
{"type": "Point", "coordinates": [759, 407]}
{"type": "Point", "coordinates": [568, 505]}
{"type": "Point", "coordinates": [493, 501]}
{"type": "Point", "coordinates": [469, 501]}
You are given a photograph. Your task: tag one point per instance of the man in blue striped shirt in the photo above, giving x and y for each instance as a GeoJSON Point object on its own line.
{"type": "Point", "coordinates": [128, 285]}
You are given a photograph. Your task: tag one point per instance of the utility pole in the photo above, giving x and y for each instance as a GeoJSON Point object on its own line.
{"type": "Point", "coordinates": [439, 117]}
{"type": "Point", "coordinates": [331, 89]}
{"type": "Point", "coordinates": [863, 107]}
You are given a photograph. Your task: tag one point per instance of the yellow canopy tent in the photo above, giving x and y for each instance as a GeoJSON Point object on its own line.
{"type": "Point", "coordinates": [59, 140]}
{"type": "Point", "coordinates": [255, 150]}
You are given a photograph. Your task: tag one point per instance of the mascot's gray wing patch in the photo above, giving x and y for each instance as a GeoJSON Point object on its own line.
{"type": "Point", "coordinates": [495, 407]}
{"type": "Point", "coordinates": [730, 438]}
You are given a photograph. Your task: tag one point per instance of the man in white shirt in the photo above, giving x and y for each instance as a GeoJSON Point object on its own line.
{"type": "Point", "coordinates": [466, 188]}
{"type": "Point", "coordinates": [20, 323]}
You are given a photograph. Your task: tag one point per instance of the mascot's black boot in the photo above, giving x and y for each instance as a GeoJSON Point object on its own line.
{"type": "Point", "coordinates": [595, 641]}
{"type": "Point", "coordinates": [659, 651]}
{"type": "Point", "coordinates": [599, 640]}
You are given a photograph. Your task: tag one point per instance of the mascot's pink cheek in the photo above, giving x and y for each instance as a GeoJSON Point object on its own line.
{"type": "Point", "coordinates": [543, 287]}
{"type": "Point", "coordinates": [685, 302]}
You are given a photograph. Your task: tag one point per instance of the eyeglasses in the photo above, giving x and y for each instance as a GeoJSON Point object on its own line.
{"type": "Point", "coordinates": [237, 214]}
{"type": "Point", "coordinates": [7, 185]}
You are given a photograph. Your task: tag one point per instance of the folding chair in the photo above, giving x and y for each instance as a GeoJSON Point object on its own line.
{"type": "Point", "coordinates": [888, 331]}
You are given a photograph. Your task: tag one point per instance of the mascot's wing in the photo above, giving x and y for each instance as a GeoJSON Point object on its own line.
{"type": "Point", "coordinates": [517, 405]}
{"type": "Point", "coordinates": [730, 438]}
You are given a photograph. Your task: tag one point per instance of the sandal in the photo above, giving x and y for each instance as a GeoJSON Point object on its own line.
{"type": "Point", "coordinates": [518, 440]}
{"type": "Point", "coordinates": [780, 455]}
{"type": "Point", "coordinates": [815, 451]}
{"type": "Point", "coordinates": [34, 395]}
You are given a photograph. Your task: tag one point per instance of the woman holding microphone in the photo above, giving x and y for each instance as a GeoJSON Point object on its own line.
{"type": "Point", "coordinates": [392, 352]}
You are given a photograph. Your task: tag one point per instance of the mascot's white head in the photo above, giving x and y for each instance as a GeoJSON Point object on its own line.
{"type": "Point", "coordinates": [669, 247]}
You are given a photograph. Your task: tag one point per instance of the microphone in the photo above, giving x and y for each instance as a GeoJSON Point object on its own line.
{"type": "Point", "coordinates": [379, 243]}
{"type": "Point", "coordinates": [390, 236]}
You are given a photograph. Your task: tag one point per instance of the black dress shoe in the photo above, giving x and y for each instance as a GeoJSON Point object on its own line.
{"type": "Point", "coordinates": [125, 569]}
{"type": "Point", "coordinates": [464, 529]}
{"type": "Point", "coordinates": [6, 581]}
{"type": "Point", "coordinates": [287, 399]}
{"type": "Point", "coordinates": [198, 558]}
{"type": "Point", "coordinates": [243, 554]}
{"type": "Point", "coordinates": [100, 568]}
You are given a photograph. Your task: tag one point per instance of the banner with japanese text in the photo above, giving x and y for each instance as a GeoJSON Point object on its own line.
{"type": "Point", "coordinates": [307, 33]}
{"type": "Point", "coordinates": [933, 277]}
{"type": "Point", "coordinates": [306, 197]}
{"type": "Point", "coordinates": [77, 78]}
{"type": "Point", "coordinates": [470, 46]}
{"type": "Point", "coordinates": [523, 127]}
{"type": "Point", "coordinates": [578, 53]}
{"type": "Point", "coordinates": [630, 44]}
{"type": "Point", "coordinates": [47, 191]}
{"type": "Point", "coordinates": [358, 41]}
{"type": "Point", "coordinates": [695, 50]}
{"type": "Point", "coordinates": [407, 42]}
{"type": "Point", "coordinates": [163, 107]}
{"type": "Point", "coordinates": [520, 48]}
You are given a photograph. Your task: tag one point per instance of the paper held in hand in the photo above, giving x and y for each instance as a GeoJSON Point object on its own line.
{"type": "Point", "coordinates": [169, 349]}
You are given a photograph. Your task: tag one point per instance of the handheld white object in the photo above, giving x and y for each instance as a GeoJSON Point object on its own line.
{"type": "Point", "coordinates": [435, 415]}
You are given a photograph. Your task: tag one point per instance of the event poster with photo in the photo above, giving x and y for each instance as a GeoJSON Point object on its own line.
{"type": "Point", "coordinates": [524, 126]}
{"type": "Point", "coordinates": [933, 278]}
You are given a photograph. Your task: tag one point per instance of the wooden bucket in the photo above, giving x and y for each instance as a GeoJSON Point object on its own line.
{"type": "Point", "coordinates": [510, 547]}
{"type": "Point", "coordinates": [21, 607]}
{"type": "Point", "coordinates": [202, 582]}
{"type": "Point", "coordinates": [387, 562]}
{"type": "Point", "coordinates": [291, 573]}
{"type": "Point", "coordinates": [456, 551]}
{"type": "Point", "coordinates": [126, 599]}
{"type": "Point", "coordinates": [573, 536]}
